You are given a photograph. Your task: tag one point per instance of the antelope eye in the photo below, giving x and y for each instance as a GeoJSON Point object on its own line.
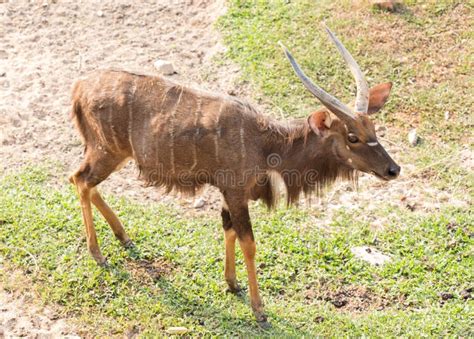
{"type": "Point", "coordinates": [352, 138]}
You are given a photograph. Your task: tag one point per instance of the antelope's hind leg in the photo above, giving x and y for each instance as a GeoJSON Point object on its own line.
{"type": "Point", "coordinates": [111, 218]}
{"type": "Point", "coordinates": [230, 237]}
{"type": "Point", "coordinates": [95, 169]}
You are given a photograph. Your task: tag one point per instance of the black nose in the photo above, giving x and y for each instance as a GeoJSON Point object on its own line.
{"type": "Point", "coordinates": [393, 171]}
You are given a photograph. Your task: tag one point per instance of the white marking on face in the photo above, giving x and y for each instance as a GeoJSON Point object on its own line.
{"type": "Point", "coordinates": [349, 161]}
{"type": "Point", "coordinates": [348, 148]}
{"type": "Point", "coordinates": [372, 144]}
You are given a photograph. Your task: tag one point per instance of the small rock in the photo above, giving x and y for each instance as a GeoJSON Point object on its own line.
{"type": "Point", "coordinates": [410, 206]}
{"type": "Point", "coordinates": [319, 319]}
{"type": "Point", "coordinates": [413, 137]}
{"type": "Point", "coordinates": [453, 243]}
{"type": "Point", "coordinates": [387, 5]}
{"type": "Point", "coordinates": [310, 294]}
{"type": "Point", "coordinates": [370, 255]}
{"type": "Point", "coordinates": [338, 303]}
{"type": "Point", "coordinates": [164, 67]}
{"type": "Point", "coordinates": [100, 14]}
{"type": "Point", "coordinates": [199, 203]}
{"type": "Point", "coordinates": [381, 130]}
{"type": "Point", "coordinates": [446, 295]}
{"type": "Point", "coordinates": [465, 294]}
{"type": "Point", "coordinates": [177, 330]}
{"type": "Point", "coordinates": [447, 115]}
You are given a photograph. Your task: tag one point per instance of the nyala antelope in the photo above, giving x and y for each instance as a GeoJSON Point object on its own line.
{"type": "Point", "coordinates": [183, 138]}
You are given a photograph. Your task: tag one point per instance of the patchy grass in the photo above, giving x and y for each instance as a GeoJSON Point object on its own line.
{"type": "Point", "coordinates": [310, 281]}
{"type": "Point", "coordinates": [424, 49]}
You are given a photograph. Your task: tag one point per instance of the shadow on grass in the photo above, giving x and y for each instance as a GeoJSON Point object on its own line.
{"type": "Point", "coordinates": [157, 274]}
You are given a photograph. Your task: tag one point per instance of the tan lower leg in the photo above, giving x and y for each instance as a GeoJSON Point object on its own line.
{"type": "Point", "coordinates": [92, 244]}
{"type": "Point", "coordinates": [229, 269]}
{"type": "Point", "coordinates": [110, 216]}
{"type": "Point", "coordinates": [249, 249]}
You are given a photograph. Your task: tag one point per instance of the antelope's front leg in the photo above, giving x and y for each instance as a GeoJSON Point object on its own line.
{"type": "Point", "coordinates": [243, 228]}
{"type": "Point", "coordinates": [248, 246]}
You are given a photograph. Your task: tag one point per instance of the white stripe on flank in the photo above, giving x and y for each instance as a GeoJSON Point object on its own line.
{"type": "Point", "coordinates": [156, 124]}
{"type": "Point", "coordinates": [111, 114]}
{"type": "Point", "coordinates": [242, 140]}
{"type": "Point", "coordinates": [147, 130]}
{"type": "Point", "coordinates": [173, 118]}
{"type": "Point", "coordinates": [197, 113]}
{"type": "Point", "coordinates": [372, 144]}
{"type": "Point", "coordinates": [218, 130]}
{"type": "Point", "coordinates": [131, 98]}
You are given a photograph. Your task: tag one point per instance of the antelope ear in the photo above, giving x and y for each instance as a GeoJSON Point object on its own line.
{"type": "Point", "coordinates": [378, 96]}
{"type": "Point", "coordinates": [320, 121]}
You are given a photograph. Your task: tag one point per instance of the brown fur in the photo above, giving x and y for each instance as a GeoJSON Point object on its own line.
{"type": "Point", "coordinates": [170, 124]}
{"type": "Point", "coordinates": [183, 138]}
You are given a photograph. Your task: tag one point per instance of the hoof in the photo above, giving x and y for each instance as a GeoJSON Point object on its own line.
{"type": "Point", "coordinates": [103, 263]}
{"type": "Point", "coordinates": [129, 244]}
{"type": "Point", "coordinates": [261, 319]}
{"type": "Point", "coordinates": [235, 290]}
{"type": "Point", "coordinates": [233, 287]}
{"type": "Point", "coordinates": [264, 324]}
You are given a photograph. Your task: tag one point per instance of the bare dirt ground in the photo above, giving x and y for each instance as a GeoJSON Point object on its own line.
{"type": "Point", "coordinates": [20, 316]}
{"type": "Point", "coordinates": [44, 47]}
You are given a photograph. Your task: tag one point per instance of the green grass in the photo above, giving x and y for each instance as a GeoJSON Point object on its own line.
{"type": "Point", "coordinates": [304, 268]}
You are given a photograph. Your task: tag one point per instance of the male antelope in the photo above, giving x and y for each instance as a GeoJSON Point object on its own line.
{"type": "Point", "coordinates": [183, 138]}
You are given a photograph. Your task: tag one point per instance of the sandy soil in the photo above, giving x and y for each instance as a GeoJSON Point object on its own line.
{"type": "Point", "coordinates": [45, 47]}
{"type": "Point", "coordinates": [20, 316]}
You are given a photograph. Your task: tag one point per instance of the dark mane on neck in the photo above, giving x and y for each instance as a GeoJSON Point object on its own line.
{"type": "Point", "coordinates": [308, 165]}
{"type": "Point", "coordinates": [317, 179]}
{"type": "Point", "coordinates": [284, 134]}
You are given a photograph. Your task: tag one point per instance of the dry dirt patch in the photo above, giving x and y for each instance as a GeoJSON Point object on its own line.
{"type": "Point", "coordinates": [149, 271]}
{"type": "Point", "coordinates": [348, 298]}
{"type": "Point", "coordinates": [22, 316]}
